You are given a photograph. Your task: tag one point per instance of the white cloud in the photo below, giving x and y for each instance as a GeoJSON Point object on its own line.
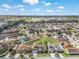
{"type": "Point", "coordinates": [37, 9]}
{"type": "Point", "coordinates": [18, 6]}
{"type": "Point", "coordinates": [22, 9]}
{"type": "Point", "coordinates": [74, 13]}
{"type": "Point", "coordinates": [6, 6]}
{"type": "Point", "coordinates": [31, 2]}
{"type": "Point", "coordinates": [6, 10]}
{"type": "Point", "coordinates": [0, 9]}
{"type": "Point", "coordinates": [13, 12]}
{"type": "Point", "coordinates": [58, 10]}
{"type": "Point", "coordinates": [61, 7]}
{"type": "Point", "coordinates": [50, 11]}
{"type": "Point", "coordinates": [47, 4]}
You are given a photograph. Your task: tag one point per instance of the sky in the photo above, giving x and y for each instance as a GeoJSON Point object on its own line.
{"type": "Point", "coordinates": [39, 7]}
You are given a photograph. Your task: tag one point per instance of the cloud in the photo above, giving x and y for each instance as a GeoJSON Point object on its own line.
{"type": "Point", "coordinates": [18, 6]}
{"type": "Point", "coordinates": [6, 10]}
{"type": "Point", "coordinates": [6, 6]}
{"type": "Point", "coordinates": [50, 11]}
{"type": "Point", "coordinates": [31, 2]}
{"type": "Point", "coordinates": [61, 7]}
{"type": "Point", "coordinates": [0, 9]}
{"type": "Point", "coordinates": [13, 12]}
{"type": "Point", "coordinates": [58, 10]}
{"type": "Point", "coordinates": [47, 4]}
{"type": "Point", "coordinates": [74, 13]}
{"type": "Point", "coordinates": [37, 9]}
{"type": "Point", "coordinates": [22, 9]}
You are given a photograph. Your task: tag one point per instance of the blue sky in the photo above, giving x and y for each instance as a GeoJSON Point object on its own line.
{"type": "Point", "coordinates": [39, 7]}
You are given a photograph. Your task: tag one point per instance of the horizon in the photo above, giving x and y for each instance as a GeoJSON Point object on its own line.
{"type": "Point", "coordinates": [42, 15]}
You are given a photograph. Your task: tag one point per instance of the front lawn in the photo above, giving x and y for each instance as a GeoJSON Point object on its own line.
{"type": "Point", "coordinates": [50, 40]}
{"type": "Point", "coordinates": [43, 55]}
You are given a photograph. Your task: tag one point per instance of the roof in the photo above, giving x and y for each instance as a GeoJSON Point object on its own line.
{"type": "Point", "coordinates": [73, 51]}
{"type": "Point", "coordinates": [23, 46]}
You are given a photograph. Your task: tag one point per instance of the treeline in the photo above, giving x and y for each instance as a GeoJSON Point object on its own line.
{"type": "Point", "coordinates": [9, 24]}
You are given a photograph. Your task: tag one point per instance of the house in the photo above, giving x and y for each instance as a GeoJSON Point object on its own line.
{"type": "Point", "coordinates": [40, 48]}
{"type": "Point", "coordinates": [23, 47]}
{"type": "Point", "coordinates": [73, 51]}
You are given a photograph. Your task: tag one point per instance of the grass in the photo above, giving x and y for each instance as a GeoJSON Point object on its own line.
{"type": "Point", "coordinates": [73, 30]}
{"type": "Point", "coordinates": [43, 40]}
{"type": "Point", "coordinates": [65, 55]}
{"type": "Point", "coordinates": [44, 55]}
{"type": "Point", "coordinates": [74, 55]}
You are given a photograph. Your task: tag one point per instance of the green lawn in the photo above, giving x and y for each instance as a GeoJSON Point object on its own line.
{"type": "Point", "coordinates": [50, 40]}
{"type": "Point", "coordinates": [65, 55]}
{"type": "Point", "coordinates": [44, 55]}
{"type": "Point", "coordinates": [45, 40]}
